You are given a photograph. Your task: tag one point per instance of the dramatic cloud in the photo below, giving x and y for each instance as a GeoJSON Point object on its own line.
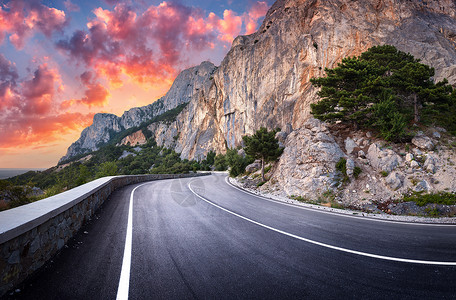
{"type": "Point", "coordinates": [8, 77]}
{"type": "Point", "coordinates": [150, 47]}
{"type": "Point", "coordinates": [29, 109]}
{"type": "Point", "coordinates": [95, 94]}
{"type": "Point", "coordinates": [20, 19]}
{"type": "Point", "coordinates": [38, 130]}
{"type": "Point", "coordinates": [145, 47]}
{"type": "Point", "coordinates": [229, 27]}
{"type": "Point", "coordinates": [37, 94]}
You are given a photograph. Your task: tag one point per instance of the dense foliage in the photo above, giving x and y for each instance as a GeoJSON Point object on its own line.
{"type": "Point", "coordinates": [385, 89]}
{"type": "Point", "coordinates": [263, 145]}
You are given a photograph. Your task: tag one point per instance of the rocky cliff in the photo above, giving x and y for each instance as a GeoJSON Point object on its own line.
{"type": "Point", "coordinates": [105, 126]}
{"type": "Point", "coordinates": [264, 79]}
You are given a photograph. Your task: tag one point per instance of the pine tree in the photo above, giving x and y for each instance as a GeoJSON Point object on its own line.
{"type": "Point", "coordinates": [354, 92]}
{"type": "Point", "coordinates": [263, 145]}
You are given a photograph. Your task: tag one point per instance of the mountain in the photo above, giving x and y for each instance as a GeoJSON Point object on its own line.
{"type": "Point", "coordinates": [264, 78]}
{"type": "Point", "coordinates": [105, 126]}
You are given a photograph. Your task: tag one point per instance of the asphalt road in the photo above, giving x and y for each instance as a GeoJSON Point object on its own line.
{"type": "Point", "coordinates": [202, 238]}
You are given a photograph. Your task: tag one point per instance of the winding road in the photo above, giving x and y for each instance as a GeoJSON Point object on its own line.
{"type": "Point", "coordinates": [202, 238]}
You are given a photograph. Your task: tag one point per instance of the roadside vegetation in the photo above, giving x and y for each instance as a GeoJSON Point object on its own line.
{"type": "Point", "coordinates": [111, 160]}
{"type": "Point", "coordinates": [385, 90]}
{"type": "Point", "coordinates": [390, 93]}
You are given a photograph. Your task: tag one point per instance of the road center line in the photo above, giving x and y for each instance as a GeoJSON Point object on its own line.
{"type": "Point", "coordinates": [124, 282]}
{"type": "Point", "coordinates": [373, 219]}
{"type": "Point", "coordinates": [424, 262]}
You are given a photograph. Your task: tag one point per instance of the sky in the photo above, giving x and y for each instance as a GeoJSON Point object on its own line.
{"type": "Point", "coordinates": [63, 61]}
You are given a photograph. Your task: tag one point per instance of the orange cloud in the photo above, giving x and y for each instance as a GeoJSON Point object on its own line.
{"type": "Point", "coordinates": [29, 109]}
{"type": "Point", "coordinates": [20, 19]}
{"type": "Point", "coordinates": [95, 94]}
{"type": "Point", "coordinates": [37, 130]}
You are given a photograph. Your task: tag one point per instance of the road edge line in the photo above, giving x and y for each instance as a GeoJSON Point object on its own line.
{"type": "Point", "coordinates": [366, 218]}
{"type": "Point", "coordinates": [405, 260]}
{"type": "Point", "coordinates": [124, 281]}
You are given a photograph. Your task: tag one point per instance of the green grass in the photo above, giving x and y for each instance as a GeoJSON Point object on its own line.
{"type": "Point", "coordinates": [437, 198]}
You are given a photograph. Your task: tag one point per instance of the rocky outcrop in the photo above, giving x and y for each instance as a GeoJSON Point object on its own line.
{"type": "Point", "coordinates": [104, 127]}
{"type": "Point", "coordinates": [136, 138]}
{"type": "Point", "coordinates": [264, 78]}
{"type": "Point", "coordinates": [383, 159]}
{"type": "Point", "coordinates": [307, 165]}
{"type": "Point", "coordinates": [307, 170]}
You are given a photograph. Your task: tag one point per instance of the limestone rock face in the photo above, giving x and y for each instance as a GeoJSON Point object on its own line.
{"type": "Point", "coordinates": [136, 138]}
{"type": "Point", "coordinates": [98, 133]}
{"type": "Point", "coordinates": [307, 165]}
{"type": "Point", "coordinates": [186, 85]}
{"type": "Point", "coordinates": [264, 78]}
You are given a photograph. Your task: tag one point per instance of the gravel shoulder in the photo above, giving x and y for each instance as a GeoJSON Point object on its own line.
{"type": "Point", "coordinates": [381, 216]}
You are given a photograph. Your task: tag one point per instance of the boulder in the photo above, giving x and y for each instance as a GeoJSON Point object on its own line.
{"type": "Point", "coordinates": [423, 142]}
{"type": "Point", "coordinates": [361, 154]}
{"type": "Point", "coordinates": [350, 145]}
{"type": "Point", "coordinates": [253, 167]}
{"type": "Point", "coordinates": [422, 186]}
{"type": "Point", "coordinates": [307, 166]}
{"type": "Point", "coordinates": [430, 163]}
{"type": "Point", "coordinates": [414, 164]}
{"type": "Point", "coordinates": [383, 159]}
{"type": "Point", "coordinates": [395, 180]}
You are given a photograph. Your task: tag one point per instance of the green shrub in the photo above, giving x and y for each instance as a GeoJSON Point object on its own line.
{"type": "Point", "coordinates": [437, 198]}
{"type": "Point", "coordinates": [341, 166]}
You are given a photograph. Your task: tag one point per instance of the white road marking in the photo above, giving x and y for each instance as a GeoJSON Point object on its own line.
{"type": "Point", "coordinates": [425, 262]}
{"type": "Point", "coordinates": [366, 218]}
{"type": "Point", "coordinates": [124, 282]}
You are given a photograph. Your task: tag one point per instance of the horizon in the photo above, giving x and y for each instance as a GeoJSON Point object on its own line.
{"type": "Point", "coordinates": [92, 57]}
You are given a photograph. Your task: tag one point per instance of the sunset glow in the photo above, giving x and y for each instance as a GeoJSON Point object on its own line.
{"type": "Point", "coordinates": [62, 63]}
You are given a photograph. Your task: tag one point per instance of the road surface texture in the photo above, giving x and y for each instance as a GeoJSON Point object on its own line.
{"type": "Point", "coordinates": [201, 238]}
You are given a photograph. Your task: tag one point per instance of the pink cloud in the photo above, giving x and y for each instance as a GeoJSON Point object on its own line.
{"type": "Point", "coordinates": [257, 11]}
{"type": "Point", "coordinates": [30, 108]}
{"type": "Point", "coordinates": [37, 94]}
{"type": "Point", "coordinates": [20, 19]}
{"type": "Point", "coordinates": [150, 47]}
{"type": "Point", "coordinates": [229, 27]}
